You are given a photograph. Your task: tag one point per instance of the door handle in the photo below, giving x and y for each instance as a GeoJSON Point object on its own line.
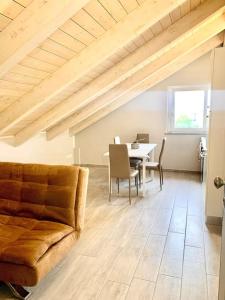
{"type": "Point", "coordinates": [219, 182]}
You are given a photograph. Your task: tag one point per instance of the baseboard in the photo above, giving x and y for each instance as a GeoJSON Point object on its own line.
{"type": "Point", "coordinates": [166, 170]}
{"type": "Point", "coordinates": [211, 220]}
{"type": "Point", "coordinates": [91, 166]}
{"type": "Point", "coordinates": [181, 171]}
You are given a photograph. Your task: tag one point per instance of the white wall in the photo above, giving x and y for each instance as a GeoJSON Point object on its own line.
{"type": "Point", "coordinates": [38, 150]}
{"type": "Point", "coordinates": [216, 147]}
{"type": "Point", "coordinates": [147, 113]}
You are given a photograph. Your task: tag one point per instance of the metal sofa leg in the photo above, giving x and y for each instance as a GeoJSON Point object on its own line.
{"type": "Point", "coordinates": [18, 291]}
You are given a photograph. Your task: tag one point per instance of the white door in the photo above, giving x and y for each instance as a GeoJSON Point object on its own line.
{"type": "Point", "coordinates": [219, 183]}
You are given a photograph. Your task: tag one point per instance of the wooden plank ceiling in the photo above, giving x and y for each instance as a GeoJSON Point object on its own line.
{"type": "Point", "coordinates": [98, 59]}
{"type": "Point", "coordinates": [10, 9]}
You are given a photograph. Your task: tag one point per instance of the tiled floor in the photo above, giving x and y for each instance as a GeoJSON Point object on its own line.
{"type": "Point", "coordinates": [157, 248]}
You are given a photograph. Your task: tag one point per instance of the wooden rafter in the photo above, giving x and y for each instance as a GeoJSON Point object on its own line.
{"type": "Point", "coordinates": [157, 77]}
{"type": "Point", "coordinates": [118, 36]}
{"type": "Point", "coordinates": [144, 55]}
{"type": "Point", "coordinates": [198, 37]}
{"type": "Point", "coordinates": [36, 22]}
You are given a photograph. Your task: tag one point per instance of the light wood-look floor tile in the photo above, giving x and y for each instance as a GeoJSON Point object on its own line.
{"type": "Point", "coordinates": [178, 220]}
{"type": "Point", "coordinates": [167, 288]}
{"type": "Point", "coordinates": [194, 284]}
{"type": "Point", "coordinates": [161, 222]}
{"type": "Point", "coordinates": [125, 264]}
{"type": "Point", "coordinates": [125, 226]}
{"type": "Point", "coordinates": [195, 203]}
{"type": "Point", "coordinates": [81, 271]}
{"type": "Point", "coordinates": [113, 291]}
{"type": "Point", "coordinates": [143, 226]}
{"type": "Point", "coordinates": [148, 267]}
{"type": "Point", "coordinates": [140, 290]}
{"type": "Point", "coordinates": [194, 232]}
{"type": "Point", "coordinates": [182, 191]}
{"type": "Point", "coordinates": [105, 259]}
{"type": "Point", "coordinates": [172, 260]}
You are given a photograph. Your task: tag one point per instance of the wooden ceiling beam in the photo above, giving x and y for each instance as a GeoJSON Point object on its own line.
{"type": "Point", "coordinates": [198, 37]}
{"type": "Point", "coordinates": [31, 27]}
{"type": "Point", "coordinates": [114, 39]}
{"type": "Point", "coordinates": [157, 77]}
{"type": "Point", "coordinates": [127, 67]}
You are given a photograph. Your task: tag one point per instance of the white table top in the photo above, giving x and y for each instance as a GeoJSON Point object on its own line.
{"type": "Point", "coordinates": [141, 152]}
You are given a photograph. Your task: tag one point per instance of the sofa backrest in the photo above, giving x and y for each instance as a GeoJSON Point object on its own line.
{"type": "Point", "coordinates": [44, 192]}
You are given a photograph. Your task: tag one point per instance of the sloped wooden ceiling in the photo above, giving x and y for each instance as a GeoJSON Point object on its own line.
{"type": "Point", "coordinates": [9, 10]}
{"type": "Point", "coordinates": [77, 63]}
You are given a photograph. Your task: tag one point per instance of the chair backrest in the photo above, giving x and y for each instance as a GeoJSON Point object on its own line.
{"type": "Point", "coordinates": [117, 140]}
{"type": "Point", "coordinates": [119, 161]}
{"type": "Point", "coordinates": [162, 150]}
{"type": "Point", "coordinates": [143, 138]}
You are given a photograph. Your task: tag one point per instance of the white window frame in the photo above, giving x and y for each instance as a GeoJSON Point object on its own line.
{"type": "Point", "coordinates": [171, 110]}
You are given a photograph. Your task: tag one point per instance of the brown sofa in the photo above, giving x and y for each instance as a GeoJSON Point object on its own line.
{"type": "Point", "coordinates": [41, 217]}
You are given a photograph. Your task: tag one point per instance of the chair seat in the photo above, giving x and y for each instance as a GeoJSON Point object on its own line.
{"type": "Point", "coordinates": [152, 165]}
{"type": "Point", "coordinates": [25, 240]}
{"type": "Point", "coordinates": [135, 162]}
{"type": "Point", "coordinates": [133, 173]}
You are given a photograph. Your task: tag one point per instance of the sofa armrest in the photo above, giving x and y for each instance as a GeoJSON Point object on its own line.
{"type": "Point", "coordinates": [81, 196]}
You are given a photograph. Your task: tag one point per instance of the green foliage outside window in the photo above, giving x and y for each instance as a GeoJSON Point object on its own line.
{"type": "Point", "coordinates": [184, 121]}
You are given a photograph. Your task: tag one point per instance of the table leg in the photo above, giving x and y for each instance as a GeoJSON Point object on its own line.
{"type": "Point", "coordinates": [110, 186]}
{"type": "Point", "coordinates": [152, 159]}
{"type": "Point", "coordinates": [143, 176]}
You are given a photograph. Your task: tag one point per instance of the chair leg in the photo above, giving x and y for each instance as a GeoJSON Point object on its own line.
{"type": "Point", "coordinates": [118, 185]}
{"type": "Point", "coordinates": [162, 175]}
{"type": "Point", "coordinates": [137, 184]}
{"type": "Point", "coordinates": [139, 175]}
{"type": "Point", "coordinates": [160, 178]}
{"type": "Point", "coordinates": [129, 192]}
{"type": "Point", "coordinates": [110, 188]}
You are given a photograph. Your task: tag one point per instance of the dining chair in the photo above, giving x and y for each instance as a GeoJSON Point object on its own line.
{"type": "Point", "coordinates": [120, 167]}
{"type": "Point", "coordinates": [143, 138]}
{"type": "Point", "coordinates": [157, 166]}
{"type": "Point", "coordinates": [134, 162]}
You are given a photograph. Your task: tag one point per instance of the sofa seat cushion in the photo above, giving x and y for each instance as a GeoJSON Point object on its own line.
{"type": "Point", "coordinates": [24, 240]}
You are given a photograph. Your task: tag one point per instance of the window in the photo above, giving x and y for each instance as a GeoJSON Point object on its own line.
{"type": "Point", "coordinates": [187, 109]}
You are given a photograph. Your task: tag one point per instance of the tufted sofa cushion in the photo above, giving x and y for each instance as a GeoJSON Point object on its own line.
{"type": "Point", "coordinates": [41, 192]}
{"type": "Point", "coordinates": [42, 210]}
{"type": "Point", "coordinates": [24, 240]}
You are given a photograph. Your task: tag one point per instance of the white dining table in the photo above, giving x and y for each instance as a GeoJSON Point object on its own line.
{"type": "Point", "coordinates": [145, 152]}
